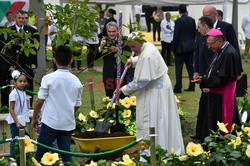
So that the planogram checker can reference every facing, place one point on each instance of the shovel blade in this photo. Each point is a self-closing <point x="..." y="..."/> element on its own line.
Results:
<point x="102" y="127"/>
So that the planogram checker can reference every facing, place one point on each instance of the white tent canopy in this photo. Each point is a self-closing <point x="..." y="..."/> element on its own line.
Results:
<point x="158" y="2"/>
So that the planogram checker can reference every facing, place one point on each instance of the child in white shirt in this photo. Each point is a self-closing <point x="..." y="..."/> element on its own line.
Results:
<point x="18" y="107"/>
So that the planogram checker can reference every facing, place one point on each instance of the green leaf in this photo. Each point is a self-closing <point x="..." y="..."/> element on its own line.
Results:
<point x="235" y="154"/>
<point x="36" y="44"/>
<point x="32" y="51"/>
<point x="26" y="51"/>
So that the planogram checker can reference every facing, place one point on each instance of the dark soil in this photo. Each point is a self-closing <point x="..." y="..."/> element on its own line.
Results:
<point x="94" y="134"/>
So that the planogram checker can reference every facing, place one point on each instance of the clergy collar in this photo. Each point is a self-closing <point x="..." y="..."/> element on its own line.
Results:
<point x="215" y="23"/>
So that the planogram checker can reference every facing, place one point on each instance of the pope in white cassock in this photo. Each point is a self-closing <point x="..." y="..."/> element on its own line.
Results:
<point x="155" y="101"/>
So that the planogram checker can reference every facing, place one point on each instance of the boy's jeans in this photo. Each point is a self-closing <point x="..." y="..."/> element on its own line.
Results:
<point x="48" y="136"/>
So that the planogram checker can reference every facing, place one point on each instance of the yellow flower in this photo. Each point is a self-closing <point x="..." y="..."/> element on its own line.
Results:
<point x="128" y="161"/>
<point x="177" y="99"/>
<point x="92" y="163"/>
<point x="126" y="102"/>
<point x="247" y="130"/>
<point x="222" y="127"/>
<point x="235" y="142"/>
<point x="126" y="114"/>
<point x="35" y="162"/>
<point x="238" y="134"/>
<point x="29" y="147"/>
<point x="113" y="106"/>
<point x="12" y="159"/>
<point x="183" y="157"/>
<point x="180" y="111"/>
<point x="106" y="99"/>
<point x="233" y="126"/>
<point x="172" y="151"/>
<point x="111" y="121"/>
<point x="82" y="117"/>
<point x="93" y="114"/>
<point x="127" y="122"/>
<point x="101" y="120"/>
<point x="248" y="151"/>
<point x="133" y="100"/>
<point x="49" y="158"/>
<point x="193" y="149"/>
<point x="91" y="129"/>
<point x="1" y="158"/>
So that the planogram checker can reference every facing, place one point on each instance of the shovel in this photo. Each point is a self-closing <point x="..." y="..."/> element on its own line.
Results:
<point x="105" y="125"/>
<point x="118" y="126"/>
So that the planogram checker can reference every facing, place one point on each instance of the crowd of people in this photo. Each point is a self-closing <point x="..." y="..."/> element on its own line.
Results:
<point x="210" y="52"/>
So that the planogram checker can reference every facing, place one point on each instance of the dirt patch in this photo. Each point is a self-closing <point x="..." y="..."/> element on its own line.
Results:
<point x="94" y="134"/>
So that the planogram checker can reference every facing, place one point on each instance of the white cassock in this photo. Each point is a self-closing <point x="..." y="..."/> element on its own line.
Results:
<point x="155" y="101"/>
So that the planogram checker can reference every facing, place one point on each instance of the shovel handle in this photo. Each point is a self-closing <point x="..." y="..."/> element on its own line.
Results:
<point x="116" y="94"/>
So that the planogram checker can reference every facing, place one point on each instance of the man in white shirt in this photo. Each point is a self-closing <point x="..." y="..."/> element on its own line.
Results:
<point x="167" y="28"/>
<point x="137" y="13"/>
<point x="246" y="28"/>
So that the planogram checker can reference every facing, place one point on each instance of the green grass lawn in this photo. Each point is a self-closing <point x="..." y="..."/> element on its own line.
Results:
<point x="188" y="100"/>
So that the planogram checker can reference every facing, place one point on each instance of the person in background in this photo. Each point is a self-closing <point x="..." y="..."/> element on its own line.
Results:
<point x="46" y="33"/>
<point x="52" y="36"/>
<point x="10" y="19"/>
<point x="101" y="21"/>
<point x="151" y="84"/>
<point x="26" y="64"/>
<point x="92" y="45"/>
<point x="137" y="12"/>
<point x="62" y="91"/>
<point x="220" y="15"/>
<point x="33" y="19"/>
<point x="107" y="50"/>
<point x="26" y="18"/>
<point x="157" y="18"/>
<point x="167" y="28"/>
<point x="183" y="46"/>
<point x="78" y="44"/>
<point x="246" y="29"/>
<point x="205" y="24"/>
<point x="148" y="16"/>
<point x="110" y="18"/>
<point x="18" y="107"/>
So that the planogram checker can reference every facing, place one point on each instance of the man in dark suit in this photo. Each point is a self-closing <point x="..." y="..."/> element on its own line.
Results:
<point x="108" y="49"/>
<point x="226" y="28"/>
<point x="183" y="46"/>
<point x="26" y="64"/>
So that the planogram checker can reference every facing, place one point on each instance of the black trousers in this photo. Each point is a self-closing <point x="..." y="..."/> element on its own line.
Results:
<point x="4" y="80"/>
<point x="92" y="54"/>
<point x="148" y="22"/>
<point x="78" y="61"/>
<point x="156" y="26"/>
<point x="180" y="59"/>
<point x="166" y="49"/>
